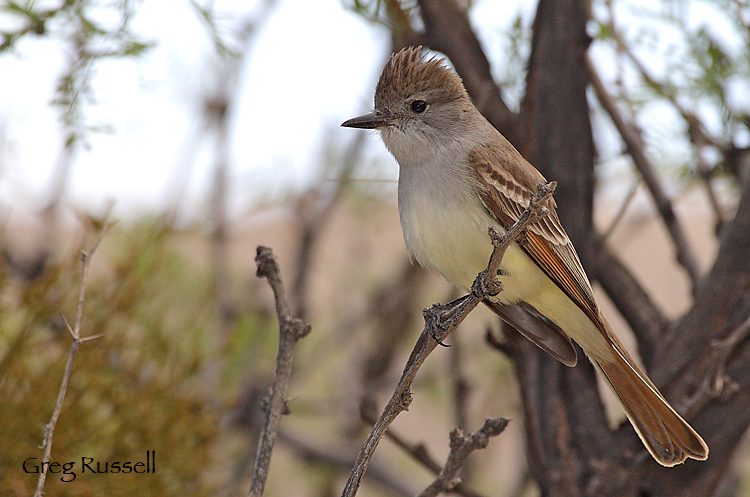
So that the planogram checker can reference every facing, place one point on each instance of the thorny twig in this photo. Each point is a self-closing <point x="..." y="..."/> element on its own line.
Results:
<point x="291" y="330"/>
<point x="441" y="321"/>
<point x="462" y="446"/>
<point x="75" y="333"/>
<point x="418" y="452"/>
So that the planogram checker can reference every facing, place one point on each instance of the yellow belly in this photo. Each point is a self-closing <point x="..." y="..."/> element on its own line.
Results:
<point x="454" y="243"/>
<point x="452" y="240"/>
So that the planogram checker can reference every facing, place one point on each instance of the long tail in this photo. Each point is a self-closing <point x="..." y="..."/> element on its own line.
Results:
<point x="667" y="436"/>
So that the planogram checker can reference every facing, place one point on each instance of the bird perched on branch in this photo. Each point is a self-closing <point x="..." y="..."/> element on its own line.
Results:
<point x="458" y="176"/>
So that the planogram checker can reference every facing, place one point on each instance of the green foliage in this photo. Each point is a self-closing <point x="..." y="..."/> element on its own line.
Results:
<point x="142" y="386"/>
<point x="384" y="12"/>
<point x="370" y="10"/>
<point x="697" y="67"/>
<point x="81" y="27"/>
<point x="224" y="46"/>
<point x="516" y="48"/>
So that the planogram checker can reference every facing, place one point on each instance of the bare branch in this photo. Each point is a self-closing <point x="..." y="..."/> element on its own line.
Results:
<point x="632" y="139"/>
<point x="645" y="318"/>
<point x="621" y="211"/>
<point x="716" y="382"/>
<point x="342" y="458"/>
<point x="291" y="330"/>
<point x="419" y="453"/>
<point x="441" y="321"/>
<point x="75" y="332"/>
<point x="447" y="29"/>
<point x="461" y="447"/>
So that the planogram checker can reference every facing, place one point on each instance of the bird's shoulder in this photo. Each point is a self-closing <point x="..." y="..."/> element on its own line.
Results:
<point x="503" y="175"/>
<point x="497" y="160"/>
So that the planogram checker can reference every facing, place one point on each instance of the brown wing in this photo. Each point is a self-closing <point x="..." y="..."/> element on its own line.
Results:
<point x="538" y="329"/>
<point x="506" y="188"/>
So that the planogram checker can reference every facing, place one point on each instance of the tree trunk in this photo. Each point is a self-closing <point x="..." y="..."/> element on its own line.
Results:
<point x="571" y="449"/>
<point x="565" y="420"/>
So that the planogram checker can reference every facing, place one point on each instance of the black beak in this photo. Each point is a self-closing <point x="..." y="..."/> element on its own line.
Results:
<point x="373" y="120"/>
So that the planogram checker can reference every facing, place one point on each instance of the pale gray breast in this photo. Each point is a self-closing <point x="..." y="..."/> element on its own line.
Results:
<point x="444" y="220"/>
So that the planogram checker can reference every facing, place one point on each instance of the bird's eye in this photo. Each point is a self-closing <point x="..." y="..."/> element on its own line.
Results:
<point x="419" y="106"/>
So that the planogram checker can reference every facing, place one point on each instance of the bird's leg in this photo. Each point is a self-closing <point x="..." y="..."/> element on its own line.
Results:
<point x="441" y="316"/>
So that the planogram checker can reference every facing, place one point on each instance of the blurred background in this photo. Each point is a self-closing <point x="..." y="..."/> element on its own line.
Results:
<point x="202" y="129"/>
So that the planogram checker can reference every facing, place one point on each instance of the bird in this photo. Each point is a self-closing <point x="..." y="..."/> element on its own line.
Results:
<point x="459" y="176"/>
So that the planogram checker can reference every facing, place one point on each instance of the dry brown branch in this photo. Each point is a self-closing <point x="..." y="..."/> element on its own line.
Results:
<point x="75" y="333"/>
<point x="419" y="453"/>
<point x="633" y="302"/>
<point x="696" y="128"/>
<point x="462" y="446"/>
<point x="620" y="215"/>
<point x="630" y="135"/>
<point x="291" y="330"/>
<point x="441" y="321"/>
<point x="716" y="383"/>
<point x="447" y="29"/>
<point x="341" y="458"/>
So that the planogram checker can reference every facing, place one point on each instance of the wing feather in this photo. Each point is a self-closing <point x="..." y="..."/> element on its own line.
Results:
<point x="506" y="190"/>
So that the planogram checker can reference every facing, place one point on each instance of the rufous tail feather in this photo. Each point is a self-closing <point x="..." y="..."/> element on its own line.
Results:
<point x="667" y="436"/>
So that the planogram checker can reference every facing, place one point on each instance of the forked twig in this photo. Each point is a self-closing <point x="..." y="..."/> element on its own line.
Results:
<point x="631" y="136"/>
<point x="462" y="446"/>
<point x="716" y="383"/>
<point x="441" y="321"/>
<point x="75" y="333"/>
<point x="291" y="330"/>
<point x="418" y="452"/>
<point x="697" y="129"/>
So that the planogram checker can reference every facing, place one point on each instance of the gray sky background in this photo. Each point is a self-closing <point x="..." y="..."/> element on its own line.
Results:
<point x="313" y="65"/>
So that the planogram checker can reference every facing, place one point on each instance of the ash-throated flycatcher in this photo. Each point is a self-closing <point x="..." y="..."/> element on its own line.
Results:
<point x="458" y="176"/>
